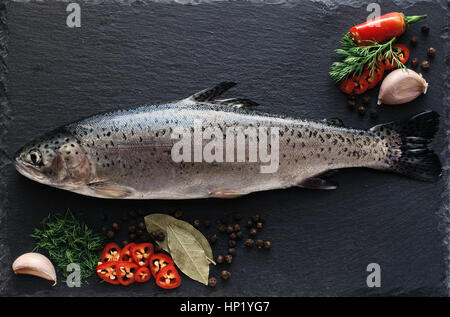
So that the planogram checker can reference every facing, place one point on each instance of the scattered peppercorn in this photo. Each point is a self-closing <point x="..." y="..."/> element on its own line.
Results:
<point x="374" y="114"/>
<point x="141" y="225"/>
<point x="222" y="228"/>
<point x="228" y="258"/>
<point x="231" y="251"/>
<point x="116" y="226"/>
<point x="366" y="100"/>
<point x="415" y="62"/>
<point x="267" y="244"/>
<point x="124" y="243"/>
<point x="361" y="110"/>
<point x="239" y="235"/>
<point x="139" y="232"/>
<point x="249" y="243"/>
<point x="352" y="97"/>
<point x="255" y="218"/>
<point x="259" y="225"/>
<point x="196" y="223"/>
<point x="160" y="236"/>
<point x="219" y="259"/>
<point x="252" y="231"/>
<point x="431" y="52"/>
<point x="425" y="29"/>
<point x="225" y="275"/>
<point x="110" y="234"/>
<point x="230" y="229"/>
<point x="213" y="238"/>
<point x="178" y="214"/>
<point x="132" y="236"/>
<point x="259" y="243"/>
<point x="133" y="214"/>
<point x="237" y="216"/>
<point x="351" y="104"/>
<point x="425" y="65"/>
<point x="224" y="220"/>
<point x="131" y="229"/>
<point x="231" y="243"/>
<point x="233" y="236"/>
<point x="414" y="41"/>
<point x="207" y="223"/>
<point x="212" y="282"/>
<point x="237" y="228"/>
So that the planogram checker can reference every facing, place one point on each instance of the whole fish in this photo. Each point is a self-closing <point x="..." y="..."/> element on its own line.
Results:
<point x="146" y="152"/>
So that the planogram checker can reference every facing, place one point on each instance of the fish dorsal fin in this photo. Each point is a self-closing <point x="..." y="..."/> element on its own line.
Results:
<point x="211" y="94"/>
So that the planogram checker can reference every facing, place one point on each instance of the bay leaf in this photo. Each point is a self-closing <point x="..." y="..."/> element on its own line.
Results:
<point x="187" y="253"/>
<point x="160" y="222"/>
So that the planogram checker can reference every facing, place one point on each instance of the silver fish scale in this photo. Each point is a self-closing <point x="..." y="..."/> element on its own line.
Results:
<point x="132" y="149"/>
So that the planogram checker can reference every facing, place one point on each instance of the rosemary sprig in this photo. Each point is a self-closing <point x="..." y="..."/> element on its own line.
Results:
<point x="68" y="241"/>
<point x="356" y="58"/>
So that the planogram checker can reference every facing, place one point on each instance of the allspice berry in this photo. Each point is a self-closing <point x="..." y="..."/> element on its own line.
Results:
<point x="160" y="236"/>
<point x="212" y="282"/>
<point x="366" y="100"/>
<point x="259" y="243"/>
<point x="233" y="236"/>
<point x="131" y="229"/>
<point x="255" y="218"/>
<point x="431" y="52"/>
<point x="259" y="225"/>
<point x="252" y="231"/>
<point x="232" y="251"/>
<point x="178" y="214"/>
<point x="425" y="65"/>
<point x="237" y="228"/>
<point x="374" y="114"/>
<point x="239" y="235"/>
<point x="225" y="274"/>
<point x="141" y="225"/>
<point x="267" y="244"/>
<point x="249" y="243"/>
<point x="231" y="243"/>
<point x="228" y="258"/>
<point x="249" y="224"/>
<point x="222" y="228"/>
<point x="219" y="259"/>
<point x="230" y="229"/>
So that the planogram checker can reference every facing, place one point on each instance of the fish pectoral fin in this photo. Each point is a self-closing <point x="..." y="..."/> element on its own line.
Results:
<point x="108" y="190"/>
<point x="210" y="94"/>
<point x="225" y="194"/>
<point x="317" y="183"/>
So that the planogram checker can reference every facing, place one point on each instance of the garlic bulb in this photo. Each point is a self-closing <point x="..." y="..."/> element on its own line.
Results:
<point x="401" y="86"/>
<point x="35" y="264"/>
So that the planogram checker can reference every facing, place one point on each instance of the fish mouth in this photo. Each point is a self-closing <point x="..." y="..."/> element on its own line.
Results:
<point x="28" y="170"/>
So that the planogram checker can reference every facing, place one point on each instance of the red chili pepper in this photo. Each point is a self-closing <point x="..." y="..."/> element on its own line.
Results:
<point x="141" y="253"/>
<point x="125" y="254"/>
<point x="376" y="77"/>
<point x="143" y="274"/>
<point x="347" y="86"/>
<point x="354" y="85"/>
<point x="168" y="277"/>
<point x="403" y="54"/>
<point x="159" y="261"/>
<point x="126" y="272"/>
<point x="383" y="28"/>
<point x="110" y="253"/>
<point x="107" y="271"/>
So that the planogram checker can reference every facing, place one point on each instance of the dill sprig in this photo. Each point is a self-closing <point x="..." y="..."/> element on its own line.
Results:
<point x="66" y="241"/>
<point x="357" y="58"/>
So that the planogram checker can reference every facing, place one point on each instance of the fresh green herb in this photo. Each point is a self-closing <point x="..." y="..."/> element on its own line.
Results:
<point x="66" y="241"/>
<point x="357" y="58"/>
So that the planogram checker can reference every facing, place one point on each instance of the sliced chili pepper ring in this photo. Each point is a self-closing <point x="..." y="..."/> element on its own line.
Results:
<point x="142" y="274"/>
<point x="125" y="254"/>
<point x="159" y="261"/>
<point x="126" y="272"/>
<point x="107" y="272"/>
<point x="168" y="278"/>
<point x="110" y="253"/>
<point x="141" y="253"/>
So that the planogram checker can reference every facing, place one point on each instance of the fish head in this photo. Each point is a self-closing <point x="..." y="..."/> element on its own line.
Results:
<point x="57" y="159"/>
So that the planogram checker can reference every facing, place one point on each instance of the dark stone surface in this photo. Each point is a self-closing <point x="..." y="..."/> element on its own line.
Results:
<point x="279" y="54"/>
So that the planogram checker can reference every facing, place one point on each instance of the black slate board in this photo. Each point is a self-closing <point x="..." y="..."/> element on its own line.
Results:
<point x="148" y="52"/>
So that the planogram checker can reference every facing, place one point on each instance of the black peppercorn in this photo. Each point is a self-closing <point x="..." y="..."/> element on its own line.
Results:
<point x="237" y="228"/>
<point x="213" y="238"/>
<point x="255" y="218"/>
<point x="231" y="251"/>
<point x="259" y="225"/>
<point x="212" y="282"/>
<point x="351" y="104"/>
<point x="252" y="231"/>
<point x="425" y="65"/>
<point x="132" y="236"/>
<point x="374" y="114"/>
<point x="366" y="100"/>
<point x="207" y="223"/>
<point x="249" y="224"/>
<point x="231" y="243"/>
<point x="141" y="225"/>
<point x="116" y="226"/>
<point x="425" y="29"/>
<point x="259" y="243"/>
<point x="414" y="41"/>
<point x="351" y="97"/>
<point x="249" y="243"/>
<point x="361" y="110"/>
<point x="124" y="243"/>
<point x="131" y="229"/>
<point x="233" y="236"/>
<point x="178" y="214"/>
<point x="267" y="244"/>
<point x="225" y="275"/>
<point x="237" y="216"/>
<point x="415" y="62"/>
<point x="196" y="223"/>
<point x="139" y="232"/>
<point x="153" y="235"/>
<point x="160" y="236"/>
<point x="239" y="235"/>
<point x="222" y="228"/>
<point x="230" y="229"/>
<point x="431" y="52"/>
<point x="110" y="234"/>
<point x="145" y="237"/>
<point x="228" y="258"/>
<point x="219" y="259"/>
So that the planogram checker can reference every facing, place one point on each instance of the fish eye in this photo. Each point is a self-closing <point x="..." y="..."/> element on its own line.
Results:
<point x="35" y="157"/>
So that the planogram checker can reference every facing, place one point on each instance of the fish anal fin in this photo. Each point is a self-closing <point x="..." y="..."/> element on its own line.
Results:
<point x="210" y="94"/>
<point x="317" y="183"/>
<point x="108" y="190"/>
<point x="224" y="194"/>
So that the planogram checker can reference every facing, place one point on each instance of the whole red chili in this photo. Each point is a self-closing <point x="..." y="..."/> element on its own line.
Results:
<point x="382" y="28"/>
<point x="125" y="254"/>
<point x="107" y="271"/>
<point x="168" y="277"/>
<point x="111" y="252"/>
<point x="158" y="261"/>
<point x="142" y="274"/>
<point x="141" y="253"/>
<point x="126" y="272"/>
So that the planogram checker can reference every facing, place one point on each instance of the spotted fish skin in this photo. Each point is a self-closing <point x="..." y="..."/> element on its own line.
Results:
<point x="127" y="154"/>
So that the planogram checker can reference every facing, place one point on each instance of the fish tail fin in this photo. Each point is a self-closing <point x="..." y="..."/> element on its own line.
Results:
<point x="408" y="152"/>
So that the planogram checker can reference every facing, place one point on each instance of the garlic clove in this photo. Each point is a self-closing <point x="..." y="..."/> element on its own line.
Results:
<point x="401" y="86"/>
<point x="35" y="264"/>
